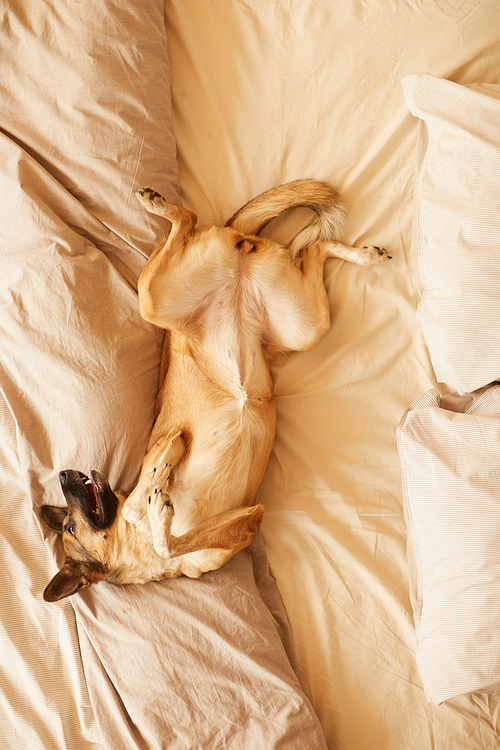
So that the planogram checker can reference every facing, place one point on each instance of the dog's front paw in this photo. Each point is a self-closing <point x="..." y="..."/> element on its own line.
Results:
<point x="161" y="514"/>
<point x="135" y="506"/>
<point x="160" y="476"/>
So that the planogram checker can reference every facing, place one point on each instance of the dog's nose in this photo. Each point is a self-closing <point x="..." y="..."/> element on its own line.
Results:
<point x="63" y="477"/>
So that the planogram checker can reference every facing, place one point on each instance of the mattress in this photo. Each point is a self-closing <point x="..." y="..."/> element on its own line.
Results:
<point x="322" y="633"/>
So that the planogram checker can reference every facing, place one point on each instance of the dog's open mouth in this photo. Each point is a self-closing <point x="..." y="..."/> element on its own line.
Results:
<point x="93" y="496"/>
<point x="92" y="491"/>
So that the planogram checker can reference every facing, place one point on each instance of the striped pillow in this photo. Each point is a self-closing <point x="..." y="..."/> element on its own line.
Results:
<point x="451" y="483"/>
<point x="456" y="227"/>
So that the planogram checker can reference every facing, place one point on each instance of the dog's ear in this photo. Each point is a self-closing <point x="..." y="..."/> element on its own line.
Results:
<point x="53" y="517"/>
<point x="72" y="577"/>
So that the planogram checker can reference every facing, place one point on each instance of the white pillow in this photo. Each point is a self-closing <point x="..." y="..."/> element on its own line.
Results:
<point x="456" y="227"/>
<point x="451" y="482"/>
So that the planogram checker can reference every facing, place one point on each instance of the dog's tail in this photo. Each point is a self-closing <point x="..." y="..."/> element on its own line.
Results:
<point x="318" y="196"/>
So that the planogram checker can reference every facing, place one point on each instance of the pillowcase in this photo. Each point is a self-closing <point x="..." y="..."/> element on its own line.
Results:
<point x="456" y="227"/>
<point x="451" y="485"/>
<point x="86" y="121"/>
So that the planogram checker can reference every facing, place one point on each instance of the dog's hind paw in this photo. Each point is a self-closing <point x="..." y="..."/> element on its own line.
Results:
<point x="373" y="255"/>
<point x="151" y="200"/>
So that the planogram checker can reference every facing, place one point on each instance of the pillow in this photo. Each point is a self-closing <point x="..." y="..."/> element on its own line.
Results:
<point x="87" y="96"/>
<point x="86" y="120"/>
<point x="451" y="484"/>
<point x="456" y="227"/>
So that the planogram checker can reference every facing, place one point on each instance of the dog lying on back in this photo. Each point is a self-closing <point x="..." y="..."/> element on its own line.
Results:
<point x="229" y="301"/>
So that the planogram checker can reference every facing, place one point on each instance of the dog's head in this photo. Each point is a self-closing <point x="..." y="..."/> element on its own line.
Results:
<point x="88" y="530"/>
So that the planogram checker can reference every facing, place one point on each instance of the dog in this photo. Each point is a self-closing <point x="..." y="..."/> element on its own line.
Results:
<point x="229" y="301"/>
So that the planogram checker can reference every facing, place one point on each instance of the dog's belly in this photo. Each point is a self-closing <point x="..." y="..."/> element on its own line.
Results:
<point x="227" y="454"/>
<point x="228" y="433"/>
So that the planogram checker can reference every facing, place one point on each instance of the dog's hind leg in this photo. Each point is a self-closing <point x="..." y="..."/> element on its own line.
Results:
<point x="155" y="475"/>
<point x="295" y="299"/>
<point x="155" y="303"/>
<point x="362" y="256"/>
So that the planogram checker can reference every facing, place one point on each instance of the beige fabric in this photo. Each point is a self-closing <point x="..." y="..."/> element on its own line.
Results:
<point x="262" y="93"/>
<point x="44" y="699"/>
<point x="456" y="230"/>
<point x="268" y="92"/>
<point x="85" y="118"/>
<point x="75" y="357"/>
<point x="204" y="664"/>
<point x="451" y="480"/>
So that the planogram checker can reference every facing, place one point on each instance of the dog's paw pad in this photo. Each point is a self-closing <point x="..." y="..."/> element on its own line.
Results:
<point x="165" y="502"/>
<point x="148" y="193"/>
<point x="150" y="198"/>
<point x="375" y="255"/>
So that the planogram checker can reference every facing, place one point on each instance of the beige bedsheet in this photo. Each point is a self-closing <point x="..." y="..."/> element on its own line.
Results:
<point x="266" y="92"/>
<point x="262" y="92"/>
<point x="85" y="121"/>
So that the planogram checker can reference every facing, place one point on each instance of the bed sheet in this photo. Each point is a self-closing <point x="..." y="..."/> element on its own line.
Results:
<point x="85" y="120"/>
<point x="264" y="93"/>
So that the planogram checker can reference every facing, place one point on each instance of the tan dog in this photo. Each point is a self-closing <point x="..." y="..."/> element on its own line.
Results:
<point x="230" y="301"/>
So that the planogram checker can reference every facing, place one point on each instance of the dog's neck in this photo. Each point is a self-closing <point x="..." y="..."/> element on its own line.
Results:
<point x="134" y="558"/>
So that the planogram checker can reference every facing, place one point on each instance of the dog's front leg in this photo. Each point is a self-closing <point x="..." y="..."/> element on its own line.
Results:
<point x="155" y="474"/>
<point x="161" y="514"/>
<point x="232" y="530"/>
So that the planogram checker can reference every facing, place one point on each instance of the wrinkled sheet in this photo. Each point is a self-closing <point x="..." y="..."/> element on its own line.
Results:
<point x="264" y="93"/>
<point x="85" y="121"/>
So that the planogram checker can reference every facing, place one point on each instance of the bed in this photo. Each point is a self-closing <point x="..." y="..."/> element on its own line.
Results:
<point x="366" y="614"/>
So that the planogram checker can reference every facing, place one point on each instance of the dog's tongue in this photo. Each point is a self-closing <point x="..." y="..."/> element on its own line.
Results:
<point x="93" y="495"/>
